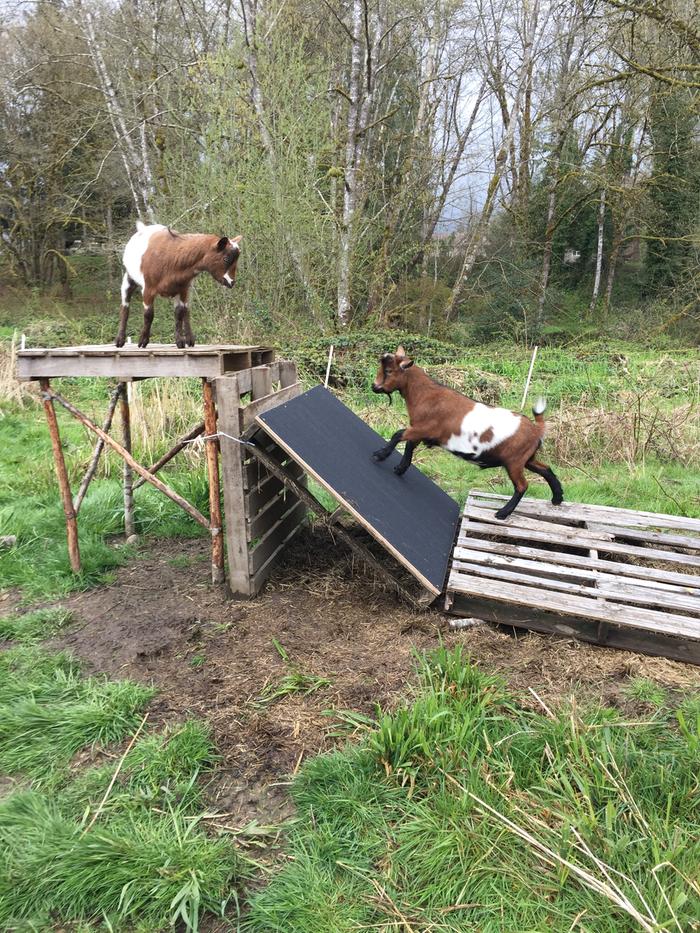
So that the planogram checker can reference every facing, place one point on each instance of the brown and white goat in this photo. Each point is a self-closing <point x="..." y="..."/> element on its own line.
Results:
<point x="163" y="262"/>
<point x="487" y="436"/>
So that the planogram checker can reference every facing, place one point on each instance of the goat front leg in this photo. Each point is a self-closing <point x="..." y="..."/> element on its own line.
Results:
<point x="379" y="455"/>
<point x="128" y="289"/>
<point x="148" y="299"/>
<point x="413" y="438"/>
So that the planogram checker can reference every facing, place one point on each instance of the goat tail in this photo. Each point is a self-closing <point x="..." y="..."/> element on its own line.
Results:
<point x="538" y="410"/>
<point x="140" y="225"/>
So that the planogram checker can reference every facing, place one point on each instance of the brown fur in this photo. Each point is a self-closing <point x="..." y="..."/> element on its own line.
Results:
<point x="169" y="264"/>
<point x="436" y="413"/>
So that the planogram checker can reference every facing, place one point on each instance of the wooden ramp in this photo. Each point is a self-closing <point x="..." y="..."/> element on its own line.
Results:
<point x="612" y="576"/>
<point x="410" y="516"/>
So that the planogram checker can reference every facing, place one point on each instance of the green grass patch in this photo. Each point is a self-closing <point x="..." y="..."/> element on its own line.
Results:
<point x="464" y="811"/>
<point x="48" y="711"/>
<point x="146" y="863"/>
<point x="28" y="628"/>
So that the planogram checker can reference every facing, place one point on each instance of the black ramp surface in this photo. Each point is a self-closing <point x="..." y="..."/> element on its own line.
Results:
<point x="409" y="515"/>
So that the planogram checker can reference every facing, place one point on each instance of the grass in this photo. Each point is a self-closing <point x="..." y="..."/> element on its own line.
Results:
<point x="28" y="628"/>
<point x="294" y="681"/>
<point x="116" y="845"/>
<point x="461" y="810"/>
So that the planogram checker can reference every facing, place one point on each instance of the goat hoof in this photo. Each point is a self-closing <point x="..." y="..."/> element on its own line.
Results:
<point x="143" y="342"/>
<point x="502" y="514"/>
<point x="557" y="501"/>
<point x="180" y="344"/>
<point x="399" y="470"/>
<point x="120" y="341"/>
<point x="378" y="456"/>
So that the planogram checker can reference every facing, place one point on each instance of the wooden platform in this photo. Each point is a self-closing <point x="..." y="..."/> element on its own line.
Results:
<point x="613" y="576"/>
<point x="129" y="362"/>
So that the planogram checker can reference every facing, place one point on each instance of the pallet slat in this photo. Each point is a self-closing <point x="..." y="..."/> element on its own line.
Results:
<point x="568" y="604"/>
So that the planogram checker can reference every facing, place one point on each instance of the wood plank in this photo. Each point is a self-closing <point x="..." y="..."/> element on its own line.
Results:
<point x="273" y="510"/>
<point x="649" y="574"/>
<point x="628" y="639"/>
<point x="564" y="603"/>
<point x="258" y="579"/>
<point x="275" y="537"/>
<point x="245" y="379"/>
<point x="570" y="532"/>
<point x="228" y="405"/>
<point x="258" y="406"/>
<point x="255" y="475"/>
<point x="540" y="567"/>
<point x="555" y="536"/>
<point x="585" y="512"/>
<point x="655" y="537"/>
<point x="260" y="382"/>
<point x="609" y="588"/>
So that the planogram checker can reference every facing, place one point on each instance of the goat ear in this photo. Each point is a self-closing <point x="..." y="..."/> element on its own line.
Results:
<point x="406" y="364"/>
<point x="237" y="239"/>
<point x="222" y="244"/>
<point x="400" y="353"/>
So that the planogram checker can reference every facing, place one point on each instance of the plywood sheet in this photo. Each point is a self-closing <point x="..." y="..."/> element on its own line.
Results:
<point x="409" y="515"/>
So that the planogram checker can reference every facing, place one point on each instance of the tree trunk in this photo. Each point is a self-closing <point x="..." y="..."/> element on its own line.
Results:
<point x="599" y="254"/>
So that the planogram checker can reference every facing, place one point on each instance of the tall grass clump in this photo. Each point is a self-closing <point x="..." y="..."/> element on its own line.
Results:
<point x="48" y="711"/>
<point x="138" y="860"/>
<point x="463" y="810"/>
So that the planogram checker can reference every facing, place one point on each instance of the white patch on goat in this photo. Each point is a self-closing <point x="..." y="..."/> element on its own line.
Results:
<point x="227" y="278"/>
<point x="136" y="247"/>
<point x="502" y="422"/>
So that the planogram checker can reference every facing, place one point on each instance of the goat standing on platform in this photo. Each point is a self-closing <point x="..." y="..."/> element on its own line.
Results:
<point x="487" y="436"/>
<point x="163" y="262"/>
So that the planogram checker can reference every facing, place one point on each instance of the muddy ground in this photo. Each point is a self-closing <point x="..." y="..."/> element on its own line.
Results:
<point x="163" y="623"/>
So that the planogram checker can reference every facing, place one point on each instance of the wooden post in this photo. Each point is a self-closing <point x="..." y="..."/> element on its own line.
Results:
<point x="212" y="448"/>
<point x="261" y="382"/>
<point x="125" y="455"/>
<point x="62" y="474"/>
<point x="129" y="523"/>
<point x="92" y="467"/>
<point x="228" y="401"/>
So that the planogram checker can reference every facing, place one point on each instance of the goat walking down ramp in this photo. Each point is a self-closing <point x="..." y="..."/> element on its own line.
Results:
<point x="415" y="520"/>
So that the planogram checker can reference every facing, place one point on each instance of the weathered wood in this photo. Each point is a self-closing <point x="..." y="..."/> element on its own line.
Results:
<point x="212" y="448"/>
<point x="131" y="362"/>
<point x="276" y="536"/>
<point x="287" y="373"/>
<point x="648" y="574"/>
<point x="174" y="450"/>
<point x="232" y="453"/>
<point x="129" y="523"/>
<point x="655" y="537"/>
<point x="557" y="569"/>
<point x="610" y="589"/>
<point x="272" y="512"/>
<point x="62" y="474"/>
<point x="567" y="604"/>
<point x="125" y="455"/>
<point x="629" y="639"/>
<point x="555" y="536"/>
<point x="99" y="446"/>
<point x="260" y="382"/>
<point x="265" y="402"/>
<point x="584" y="512"/>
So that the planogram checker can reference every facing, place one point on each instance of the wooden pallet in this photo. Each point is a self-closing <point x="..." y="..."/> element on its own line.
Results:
<point x="130" y="362"/>
<point x="613" y="576"/>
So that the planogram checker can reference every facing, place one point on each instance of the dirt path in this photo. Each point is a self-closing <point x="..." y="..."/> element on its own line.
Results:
<point x="161" y="622"/>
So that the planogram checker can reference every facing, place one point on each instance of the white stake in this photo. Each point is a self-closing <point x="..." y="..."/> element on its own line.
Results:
<point x="23" y="341"/>
<point x="529" y="377"/>
<point x="328" y="368"/>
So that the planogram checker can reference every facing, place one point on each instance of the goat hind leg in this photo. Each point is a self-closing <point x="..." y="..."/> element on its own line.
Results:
<point x="536" y="466"/>
<point x="180" y="317"/>
<point x="520" y="487"/>
<point x="189" y="336"/>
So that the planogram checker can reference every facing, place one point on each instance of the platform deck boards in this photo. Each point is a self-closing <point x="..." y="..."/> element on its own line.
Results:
<point x="410" y="515"/>
<point x="636" y="571"/>
<point x="130" y="362"/>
